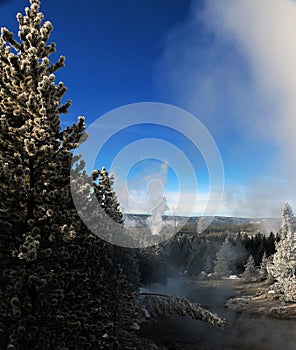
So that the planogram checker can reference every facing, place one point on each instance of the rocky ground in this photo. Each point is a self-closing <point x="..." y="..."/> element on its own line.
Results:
<point x="259" y="298"/>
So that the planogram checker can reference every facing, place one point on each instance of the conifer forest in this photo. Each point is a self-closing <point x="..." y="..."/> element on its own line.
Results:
<point x="64" y="287"/>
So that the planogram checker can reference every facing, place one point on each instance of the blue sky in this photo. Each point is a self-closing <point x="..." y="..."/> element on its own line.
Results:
<point x="228" y="63"/>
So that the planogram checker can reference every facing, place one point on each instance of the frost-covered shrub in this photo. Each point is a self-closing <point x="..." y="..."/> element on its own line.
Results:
<point x="262" y="272"/>
<point x="251" y="272"/>
<point x="225" y="260"/>
<point x="283" y="266"/>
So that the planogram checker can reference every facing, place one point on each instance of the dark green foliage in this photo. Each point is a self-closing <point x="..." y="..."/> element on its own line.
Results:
<point x="124" y="259"/>
<point x="61" y="286"/>
<point x="150" y="262"/>
<point x="198" y="252"/>
<point x="257" y="245"/>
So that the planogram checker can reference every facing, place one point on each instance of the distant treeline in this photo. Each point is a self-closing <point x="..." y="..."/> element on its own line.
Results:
<point x="191" y="254"/>
<point x="249" y="228"/>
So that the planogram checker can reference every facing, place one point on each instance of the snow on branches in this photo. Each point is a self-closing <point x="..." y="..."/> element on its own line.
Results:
<point x="283" y="265"/>
<point x="163" y="305"/>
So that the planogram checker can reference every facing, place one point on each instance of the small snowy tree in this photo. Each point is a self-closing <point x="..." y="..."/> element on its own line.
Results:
<point x="250" y="273"/>
<point x="288" y="220"/>
<point x="208" y="265"/>
<point x="106" y="195"/>
<point x="263" y="273"/>
<point x="283" y="267"/>
<point x="225" y="260"/>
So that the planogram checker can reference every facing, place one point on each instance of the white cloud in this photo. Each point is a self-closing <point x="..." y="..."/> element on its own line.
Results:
<point x="144" y="191"/>
<point x="233" y="64"/>
<point x="192" y="204"/>
<point x="260" y="198"/>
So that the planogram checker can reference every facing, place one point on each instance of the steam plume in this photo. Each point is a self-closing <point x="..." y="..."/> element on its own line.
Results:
<point x="233" y="65"/>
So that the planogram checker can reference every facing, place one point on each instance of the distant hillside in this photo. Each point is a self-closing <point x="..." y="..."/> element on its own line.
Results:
<point x="217" y="224"/>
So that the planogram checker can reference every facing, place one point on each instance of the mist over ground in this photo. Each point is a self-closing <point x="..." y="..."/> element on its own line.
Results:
<point x="242" y="331"/>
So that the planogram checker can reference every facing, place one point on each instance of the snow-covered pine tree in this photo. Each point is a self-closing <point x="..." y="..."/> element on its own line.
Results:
<point x="208" y="265"/>
<point x="55" y="276"/>
<point x="288" y="220"/>
<point x="106" y="195"/>
<point x="35" y="154"/>
<point x="225" y="260"/>
<point x="250" y="273"/>
<point x="221" y="266"/>
<point x="262" y="273"/>
<point x="283" y="266"/>
<point x="125" y="260"/>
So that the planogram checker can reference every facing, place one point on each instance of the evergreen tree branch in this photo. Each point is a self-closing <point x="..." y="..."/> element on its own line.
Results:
<point x="159" y="305"/>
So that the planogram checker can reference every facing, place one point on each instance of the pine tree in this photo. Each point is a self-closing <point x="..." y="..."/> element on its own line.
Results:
<point x="288" y="220"/>
<point x="125" y="259"/>
<point x="250" y="273"/>
<point x="208" y="265"/>
<point x="106" y="195"/>
<point x="262" y="273"/>
<point x="56" y="277"/>
<point x="62" y="287"/>
<point x="30" y="130"/>
<point x="225" y="260"/>
<point x="283" y="266"/>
